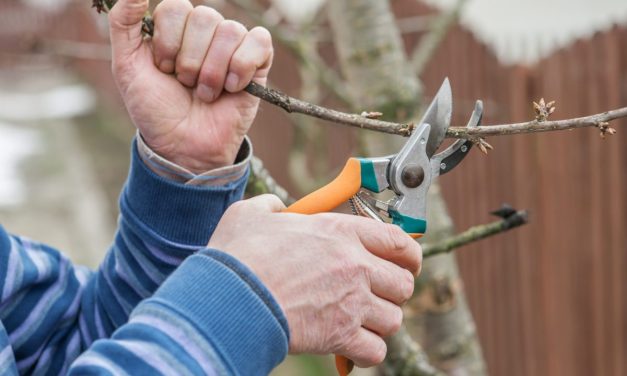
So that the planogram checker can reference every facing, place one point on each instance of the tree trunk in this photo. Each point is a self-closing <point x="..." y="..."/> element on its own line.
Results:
<point x="379" y="78"/>
<point x="438" y="315"/>
<point x="372" y="57"/>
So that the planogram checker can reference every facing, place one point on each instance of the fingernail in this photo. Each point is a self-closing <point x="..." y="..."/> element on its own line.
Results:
<point x="205" y="93"/>
<point x="231" y="82"/>
<point x="167" y="66"/>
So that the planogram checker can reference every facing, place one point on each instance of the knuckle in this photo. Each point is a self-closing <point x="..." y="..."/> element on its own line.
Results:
<point x="122" y="15"/>
<point x="349" y="269"/>
<point x="211" y="77"/>
<point x="261" y="36"/>
<point x="204" y="15"/>
<point x="343" y="329"/>
<point x="230" y="28"/>
<point x="339" y="224"/>
<point x="239" y="64"/>
<point x="395" y="238"/>
<point x="166" y="47"/>
<point x="172" y="8"/>
<point x="187" y="65"/>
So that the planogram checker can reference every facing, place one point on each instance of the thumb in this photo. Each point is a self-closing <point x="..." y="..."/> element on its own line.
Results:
<point x="265" y="203"/>
<point x="125" y="28"/>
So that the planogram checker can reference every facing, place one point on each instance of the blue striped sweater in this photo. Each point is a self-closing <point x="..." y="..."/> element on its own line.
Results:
<point x="158" y="304"/>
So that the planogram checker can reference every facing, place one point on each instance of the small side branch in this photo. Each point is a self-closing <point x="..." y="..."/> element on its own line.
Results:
<point x="511" y="220"/>
<point x="535" y="126"/>
<point x="290" y="105"/>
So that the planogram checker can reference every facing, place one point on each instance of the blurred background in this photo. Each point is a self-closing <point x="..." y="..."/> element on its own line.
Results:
<point x="549" y="298"/>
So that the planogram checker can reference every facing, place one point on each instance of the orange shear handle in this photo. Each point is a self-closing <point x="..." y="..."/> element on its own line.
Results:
<point x="332" y="195"/>
<point x="325" y="199"/>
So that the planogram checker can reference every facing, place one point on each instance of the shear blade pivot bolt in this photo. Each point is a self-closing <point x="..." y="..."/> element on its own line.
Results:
<point x="412" y="175"/>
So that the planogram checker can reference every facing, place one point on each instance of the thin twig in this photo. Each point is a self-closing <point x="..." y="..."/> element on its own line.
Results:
<point x="535" y="126"/>
<point x="476" y="233"/>
<point x="290" y="105"/>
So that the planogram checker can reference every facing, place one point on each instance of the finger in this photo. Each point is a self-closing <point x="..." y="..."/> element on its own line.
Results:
<point x="366" y="349"/>
<point x="169" y="17"/>
<point x="390" y="281"/>
<point x="252" y="59"/>
<point x="384" y="318"/>
<point x="201" y="26"/>
<point x="389" y="242"/>
<point x="265" y="202"/>
<point x="228" y="36"/>
<point x="125" y="28"/>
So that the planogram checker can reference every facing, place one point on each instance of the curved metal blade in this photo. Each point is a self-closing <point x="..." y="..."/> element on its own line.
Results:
<point x="446" y="160"/>
<point x="438" y="115"/>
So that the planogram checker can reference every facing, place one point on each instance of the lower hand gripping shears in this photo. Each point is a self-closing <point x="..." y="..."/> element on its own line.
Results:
<point x="408" y="174"/>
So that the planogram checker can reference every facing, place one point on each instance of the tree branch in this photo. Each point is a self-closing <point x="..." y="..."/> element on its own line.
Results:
<point x="476" y="233"/>
<point x="535" y="126"/>
<point x="290" y="104"/>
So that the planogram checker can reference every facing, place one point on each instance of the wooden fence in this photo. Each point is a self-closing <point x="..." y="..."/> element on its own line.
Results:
<point x="550" y="298"/>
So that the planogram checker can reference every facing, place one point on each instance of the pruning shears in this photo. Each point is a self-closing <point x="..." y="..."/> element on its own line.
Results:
<point x="408" y="174"/>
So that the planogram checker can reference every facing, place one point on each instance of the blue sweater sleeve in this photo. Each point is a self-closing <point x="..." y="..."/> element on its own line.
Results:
<point x="211" y="317"/>
<point x="52" y="311"/>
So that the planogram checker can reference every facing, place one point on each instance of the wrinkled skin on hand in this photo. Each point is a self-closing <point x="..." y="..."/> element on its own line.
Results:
<point x="340" y="279"/>
<point x="183" y="88"/>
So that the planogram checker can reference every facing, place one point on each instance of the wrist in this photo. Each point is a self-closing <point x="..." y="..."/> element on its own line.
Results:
<point x="211" y="160"/>
<point x="172" y="170"/>
<point x="197" y="156"/>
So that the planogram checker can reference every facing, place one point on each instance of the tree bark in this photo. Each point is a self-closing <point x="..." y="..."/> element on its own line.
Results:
<point x="438" y="315"/>
<point x="379" y="76"/>
<point x="372" y="58"/>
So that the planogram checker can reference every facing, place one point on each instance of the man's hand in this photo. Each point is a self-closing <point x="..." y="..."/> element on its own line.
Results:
<point x="183" y="88"/>
<point x="339" y="279"/>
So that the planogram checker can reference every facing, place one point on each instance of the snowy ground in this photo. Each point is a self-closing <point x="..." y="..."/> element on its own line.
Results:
<point x="16" y="144"/>
<point x="525" y="31"/>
